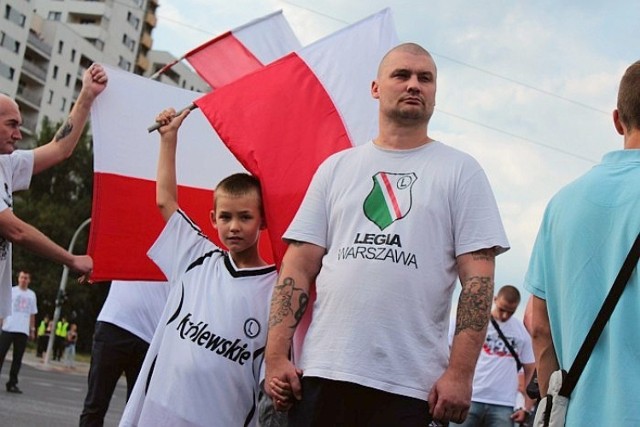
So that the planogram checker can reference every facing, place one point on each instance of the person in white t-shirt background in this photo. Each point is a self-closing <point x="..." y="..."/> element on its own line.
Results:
<point x="18" y="327"/>
<point x="496" y="379"/>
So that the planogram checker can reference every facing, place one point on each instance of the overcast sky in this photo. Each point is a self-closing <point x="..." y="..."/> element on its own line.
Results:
<point x="527" y="88"/>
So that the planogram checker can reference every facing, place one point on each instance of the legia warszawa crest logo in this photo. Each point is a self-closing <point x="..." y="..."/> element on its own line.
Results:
<point x="390" y="198"/>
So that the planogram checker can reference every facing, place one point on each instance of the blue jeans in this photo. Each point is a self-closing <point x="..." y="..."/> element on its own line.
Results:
<point x="488" y="415"/>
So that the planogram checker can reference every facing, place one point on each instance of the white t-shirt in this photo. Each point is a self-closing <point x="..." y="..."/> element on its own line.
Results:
<point x="15" y="175"/>
<point x="203" y="365"/>
<point x="496" y="377"/>
<point x="135" y="306"/>
<point x="392" y="222"/>
<point x="24" y="304"/>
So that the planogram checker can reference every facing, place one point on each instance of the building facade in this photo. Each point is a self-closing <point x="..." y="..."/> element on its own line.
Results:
<point x="46" y="45"/>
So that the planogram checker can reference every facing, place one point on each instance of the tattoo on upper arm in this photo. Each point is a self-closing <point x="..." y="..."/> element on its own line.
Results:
<point x="65" y="130"/>
<point x="282" y="303"/>
<point x="475" y="304"/>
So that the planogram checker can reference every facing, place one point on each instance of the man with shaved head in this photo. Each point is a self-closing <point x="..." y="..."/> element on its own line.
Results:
<point x="16" y="169"/>
<point x="384" y="231"/>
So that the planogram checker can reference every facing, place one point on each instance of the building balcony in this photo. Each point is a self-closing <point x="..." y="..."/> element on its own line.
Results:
<point x="146" y="40"/>
<point x="92" y="32"/>
<point x="29" y="98"/>
<point x="38" y="45"/>
<point x="94" y="8"/>
<point x="151" y="19"/>
<point x="142" y="62"/>
<point x="36" y="72"/>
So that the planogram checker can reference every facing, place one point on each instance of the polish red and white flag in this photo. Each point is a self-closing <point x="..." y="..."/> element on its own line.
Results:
<point x="282" y="121"/>
<point x="124" y="220"/>
<point x="242" y="50"/>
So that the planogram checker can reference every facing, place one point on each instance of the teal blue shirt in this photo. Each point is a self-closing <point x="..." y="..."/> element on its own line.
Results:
<point x="586" y="233"/>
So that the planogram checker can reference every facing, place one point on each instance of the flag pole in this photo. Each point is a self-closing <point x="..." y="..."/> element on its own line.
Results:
<point x="162" y="70"/>
<point x="157" y="125"/>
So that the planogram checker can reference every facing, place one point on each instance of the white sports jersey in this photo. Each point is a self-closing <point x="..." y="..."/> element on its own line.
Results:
<point x="203" y="364"/>
<point x="393" y="223"/>
<point x="15" y="174"/>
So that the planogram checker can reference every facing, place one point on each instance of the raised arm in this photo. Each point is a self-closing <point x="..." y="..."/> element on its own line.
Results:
<point x="65" y="140"/>
<point x="27" y="236"/>
<point x="450" y="397"/>
<point x="166" y="182"/>
<point x="543" y="347"/>
<point x="300" y="267"/>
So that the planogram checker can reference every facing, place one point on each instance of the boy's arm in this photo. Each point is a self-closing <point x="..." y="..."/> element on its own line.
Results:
<point x="66" y="138"/>
<point x="166" y="182"/>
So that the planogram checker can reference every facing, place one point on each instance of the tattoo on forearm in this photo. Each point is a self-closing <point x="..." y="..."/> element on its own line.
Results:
<point x="475" y="304"/>
<point x="65" y="130"/>
<point x="282" y="303"/>
<point x="484" y="254"/>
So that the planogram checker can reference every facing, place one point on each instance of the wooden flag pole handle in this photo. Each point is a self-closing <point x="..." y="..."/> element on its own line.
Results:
<point x="157" y="125"/>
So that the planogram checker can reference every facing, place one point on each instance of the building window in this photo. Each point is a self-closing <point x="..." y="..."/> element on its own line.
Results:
<point x="9" y="42"/>
<point x="124" y="64"/>
<point x="6" y="71"/>
<point x="14" y="16"/>
<point x="64" y="104"/>
<point x="73" y="55"/>
<point x="50" y="99"/>
<point x="128" y="42"/>
<point x="54" y="16"/>
<point x="67" y="80"/>
<point x="60" y="46"/>
<point x="99" y="44"/>
<point x="54" y="74"/>
<point x="133" y="20"/>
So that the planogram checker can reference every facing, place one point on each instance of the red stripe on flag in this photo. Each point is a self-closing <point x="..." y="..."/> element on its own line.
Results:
<point x="392" y="196"/>
<point x="128" y="223"/>
<point x="280" y="123"/>
<point x="223" y="60"/>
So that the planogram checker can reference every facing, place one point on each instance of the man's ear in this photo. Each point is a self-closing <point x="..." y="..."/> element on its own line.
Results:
<point x="617" y="123"/>
<point x="375" y="89"/>
<point x="212" y="218"/>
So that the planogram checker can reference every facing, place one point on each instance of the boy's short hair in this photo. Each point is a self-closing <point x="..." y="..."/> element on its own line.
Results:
<point x="240" y="184"/>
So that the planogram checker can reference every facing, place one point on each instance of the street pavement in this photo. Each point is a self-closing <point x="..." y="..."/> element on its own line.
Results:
<point x="52" y="395"/>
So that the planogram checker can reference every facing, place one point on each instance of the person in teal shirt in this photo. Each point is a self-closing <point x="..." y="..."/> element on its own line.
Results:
<point x="586" y="233"/>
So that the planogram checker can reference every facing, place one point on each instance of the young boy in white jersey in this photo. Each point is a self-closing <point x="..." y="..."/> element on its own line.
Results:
<point x="203" y="364"/>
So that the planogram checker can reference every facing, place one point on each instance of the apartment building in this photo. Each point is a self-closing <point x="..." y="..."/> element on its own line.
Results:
<point x="45" y="46"/>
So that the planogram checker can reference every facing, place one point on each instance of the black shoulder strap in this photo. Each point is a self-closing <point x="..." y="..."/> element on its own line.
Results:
<point x="507" y="343"/>
<point x="569" y="382"/>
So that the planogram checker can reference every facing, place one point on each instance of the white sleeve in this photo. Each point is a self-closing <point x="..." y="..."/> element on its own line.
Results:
<point x="311" y="222"/>
<point x="180" y="243"/>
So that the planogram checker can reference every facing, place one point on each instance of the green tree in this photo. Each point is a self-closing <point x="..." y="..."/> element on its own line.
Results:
<point x="57" y="202"/>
